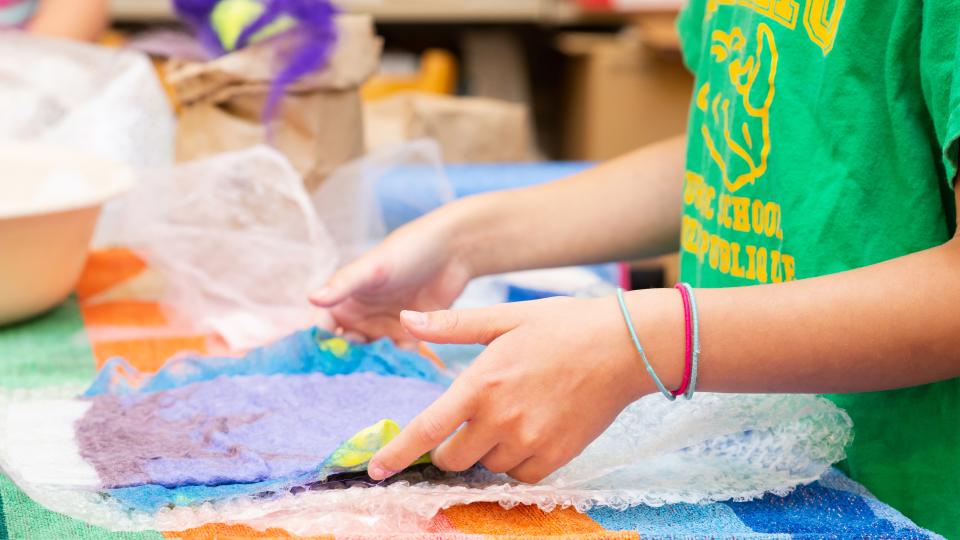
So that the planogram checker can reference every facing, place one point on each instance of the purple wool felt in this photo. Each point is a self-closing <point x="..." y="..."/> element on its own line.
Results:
<point x="239" y="429"/>
<point x="307" y="47"/>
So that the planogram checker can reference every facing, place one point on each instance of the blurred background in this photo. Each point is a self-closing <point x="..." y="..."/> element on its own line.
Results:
<point x="589" y="79"/>
<point x="326" y="125"/>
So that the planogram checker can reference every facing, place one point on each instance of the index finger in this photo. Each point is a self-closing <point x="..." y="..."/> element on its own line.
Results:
<point x="423" y="433"/>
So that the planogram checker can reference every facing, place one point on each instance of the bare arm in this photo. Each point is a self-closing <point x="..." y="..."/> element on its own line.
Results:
<point x="888" y="325"/>
<point x="82" y="20"/>
<point x="625" y="208"/>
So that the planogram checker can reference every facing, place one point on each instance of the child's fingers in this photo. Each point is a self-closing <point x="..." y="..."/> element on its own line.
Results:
<point x="533" y="470"/>
<point x="424" y="433"/>
<point x="363" y="274"/>
<point x="361" y="326"/>
<point x="465" y="448"/>
<point x="481" y="325"/>
<point x="324" y="319"/>
<point x="504" y="457"/>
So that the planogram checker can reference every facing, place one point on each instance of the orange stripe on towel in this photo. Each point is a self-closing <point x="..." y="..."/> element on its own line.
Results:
<point x="107" y="268"/>
<point x="123" y="313"/>
<point x="527" y="522"/>
<point x="220" y="531"/>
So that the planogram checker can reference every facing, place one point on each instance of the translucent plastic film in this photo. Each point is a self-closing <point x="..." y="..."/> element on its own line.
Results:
<point x="363" y="200"/>
<point x="715" y="447"/>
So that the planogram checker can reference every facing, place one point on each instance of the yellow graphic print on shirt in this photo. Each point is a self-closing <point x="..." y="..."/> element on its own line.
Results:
<point x="733" y="229"/>
<point x="736" y="132"/>
<point x="820" y="18"/>
<point x="746" y="142"/>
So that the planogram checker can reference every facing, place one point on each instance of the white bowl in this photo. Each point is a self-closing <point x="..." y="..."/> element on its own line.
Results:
<point x="49" y="202"/>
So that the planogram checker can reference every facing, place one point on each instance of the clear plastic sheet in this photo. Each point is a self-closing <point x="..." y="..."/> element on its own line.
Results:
<point x="364" y="199"/>
<point x="715" y="447"/>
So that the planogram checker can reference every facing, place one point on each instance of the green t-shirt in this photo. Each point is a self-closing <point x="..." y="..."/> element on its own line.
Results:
<point x="823" y="136"/>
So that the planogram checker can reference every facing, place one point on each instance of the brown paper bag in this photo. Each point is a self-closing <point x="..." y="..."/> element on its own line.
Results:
<point x="319" y="124"/>
<point x="469" y="129"/>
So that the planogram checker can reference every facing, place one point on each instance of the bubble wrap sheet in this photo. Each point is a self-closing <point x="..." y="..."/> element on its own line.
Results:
<point x="715" y="447"/>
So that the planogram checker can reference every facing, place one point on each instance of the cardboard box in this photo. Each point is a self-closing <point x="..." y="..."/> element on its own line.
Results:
<point x="468" y="129"/>
<point x="622" y="92"/>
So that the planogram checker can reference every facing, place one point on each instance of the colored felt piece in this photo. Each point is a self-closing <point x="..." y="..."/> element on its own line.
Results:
<point x="306" y="351"/>
<point x="238" y="430"/>
<point x="207" y="428"/>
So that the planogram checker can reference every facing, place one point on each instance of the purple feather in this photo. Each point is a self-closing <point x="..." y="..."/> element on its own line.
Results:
<point x="196" y="15"/>
<point x="304" y="49"/>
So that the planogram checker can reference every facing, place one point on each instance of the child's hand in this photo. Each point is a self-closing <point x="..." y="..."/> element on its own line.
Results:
<point x="414" y="268"/>
<point x="555" y="375"/>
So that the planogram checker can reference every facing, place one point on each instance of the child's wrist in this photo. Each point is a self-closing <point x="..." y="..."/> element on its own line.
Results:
<point x="657" y="316"/>
<point x="471" y="232"/>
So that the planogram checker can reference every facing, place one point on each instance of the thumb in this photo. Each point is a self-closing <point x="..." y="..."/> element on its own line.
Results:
<point x="481" y="325"/>
<point x="363" y="274"/>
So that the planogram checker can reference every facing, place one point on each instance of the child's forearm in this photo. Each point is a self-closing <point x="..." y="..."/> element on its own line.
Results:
<point x="626" y="208"/>
<point x="82" y="20"/>
<point x="889" y="325"/>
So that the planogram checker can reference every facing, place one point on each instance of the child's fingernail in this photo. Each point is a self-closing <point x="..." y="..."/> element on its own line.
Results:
<point x="377" y="472"/>
<point x="414" y="318"/>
